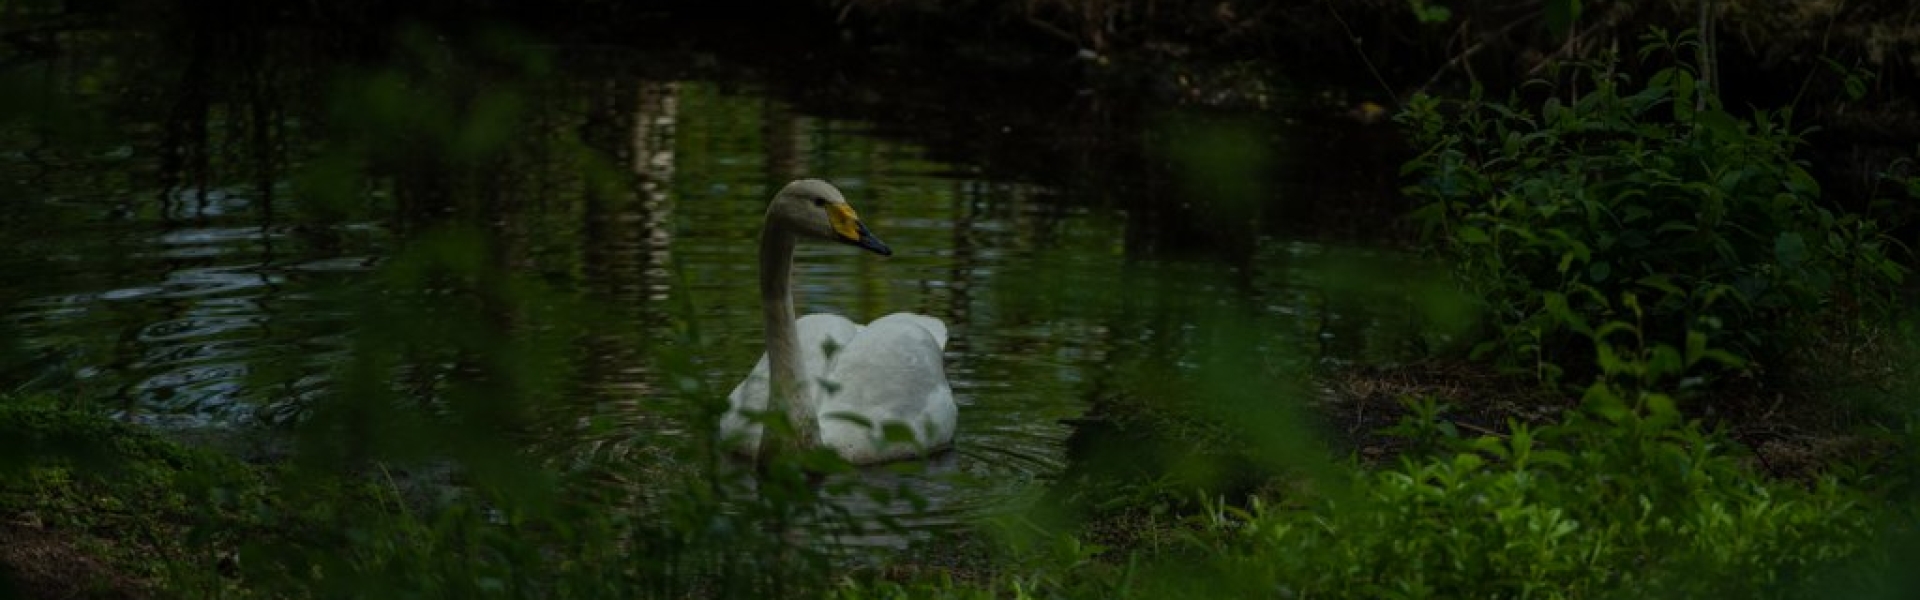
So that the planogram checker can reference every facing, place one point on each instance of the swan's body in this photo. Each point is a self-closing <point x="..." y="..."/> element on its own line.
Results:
<point x="840" y="385"/>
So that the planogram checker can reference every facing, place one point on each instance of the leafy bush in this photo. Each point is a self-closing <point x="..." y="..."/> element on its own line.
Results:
<point x="1652" y="189"/>
<point x="1611" y="502"/>
<point x="1623" y="498"/>
<point x="1641" y="505"/>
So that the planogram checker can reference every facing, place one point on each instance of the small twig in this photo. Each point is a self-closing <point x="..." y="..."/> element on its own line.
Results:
<point x="1457" y="59"/>
<point x="1050" y="28"/>
<point x="1777" y="399"/>
<point x="1054" y="30"/>
<point x="1567" y="49"/>
<point x="1362" y="52"/>
<point x="1478" y="429"/>
<point x="1461" y="61"/>
<point x="1825" y="38"/>
<point x="1762" y="457"/>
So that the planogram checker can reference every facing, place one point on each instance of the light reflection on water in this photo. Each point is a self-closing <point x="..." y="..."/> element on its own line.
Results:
<point x="171" y="316"/>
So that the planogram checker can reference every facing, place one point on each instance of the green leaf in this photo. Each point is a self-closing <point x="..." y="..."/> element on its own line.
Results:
<point x="1683" y="89"/>
<point x="1732" y="180"/>
<point x="1610" y="328"/>
<point x="1661" y="409"/>
<point x="1720" y="123"/>
<point x="1696" y="346"/>
<point x="1556" y="306"/>
<point x="1552" y="457"/>
<point x="1790" y="249"/>
<point x="1676" y="226"/>
<point x="898" y="433"/>
<point x="1468" y="462"/>
<point x="1892" y="270"/>
<point x="1473" y="235"/>
<point x="1664" y="360"/>
<point x="1603" y="402"/>
<point x="1428" y="13"/>
<point x="1490" y="445"/>
<point x="1599" y="271"/>
<point x="1561" y="15"/>
<point x="1634" y="212"/>
<point x="851" y="417"/>
<point x="1662" y="283"/>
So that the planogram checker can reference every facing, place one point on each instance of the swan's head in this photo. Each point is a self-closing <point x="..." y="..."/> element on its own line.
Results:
<point x="813" y="209"/>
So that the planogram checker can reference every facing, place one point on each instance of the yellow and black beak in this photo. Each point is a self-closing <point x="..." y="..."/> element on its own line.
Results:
<point x="847" y="226"/>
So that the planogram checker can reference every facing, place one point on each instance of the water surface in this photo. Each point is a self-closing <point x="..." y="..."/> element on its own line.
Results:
<point x="192" y="262"/>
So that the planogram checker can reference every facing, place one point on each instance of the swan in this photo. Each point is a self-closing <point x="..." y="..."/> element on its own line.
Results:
<point x="839" y="384"/>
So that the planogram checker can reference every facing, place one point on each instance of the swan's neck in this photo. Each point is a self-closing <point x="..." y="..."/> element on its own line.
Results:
<point x="789" y="391"/>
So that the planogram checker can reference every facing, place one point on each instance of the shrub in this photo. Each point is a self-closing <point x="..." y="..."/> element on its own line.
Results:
<point x="1623" y="498"/>
<point x="1633" y="503"/>
<point x="1651" y="189"/>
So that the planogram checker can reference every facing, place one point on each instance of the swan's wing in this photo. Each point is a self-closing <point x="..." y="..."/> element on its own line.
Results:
<point x="892" y="372"/>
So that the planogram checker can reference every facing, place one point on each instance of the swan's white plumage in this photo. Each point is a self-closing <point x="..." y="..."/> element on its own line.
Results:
<point x="888" y="371"/>
<point x="860" y="380"/>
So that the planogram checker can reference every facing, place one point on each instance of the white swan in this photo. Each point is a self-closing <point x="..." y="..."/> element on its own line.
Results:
<point x="841" y="385"/>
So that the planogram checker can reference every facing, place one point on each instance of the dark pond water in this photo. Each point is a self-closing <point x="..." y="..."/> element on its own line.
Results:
<point x="166" y="258"/>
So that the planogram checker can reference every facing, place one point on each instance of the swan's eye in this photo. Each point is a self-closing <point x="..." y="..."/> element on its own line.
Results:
<point x="820" y="202"/>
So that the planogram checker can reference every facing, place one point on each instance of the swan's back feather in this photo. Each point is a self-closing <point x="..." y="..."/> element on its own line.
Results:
<point x="892" y="373"/>
<point x="932" y="325"/>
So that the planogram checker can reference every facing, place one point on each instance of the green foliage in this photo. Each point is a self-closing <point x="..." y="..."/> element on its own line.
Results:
<point x="1621" y="499"/>
<point x="1853" y="80"/>
<point x="1430" y="13"/>
<point x="1624" y="497"/>
<point x="1560" y="15"/>
<point x="1558" y="212"/>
